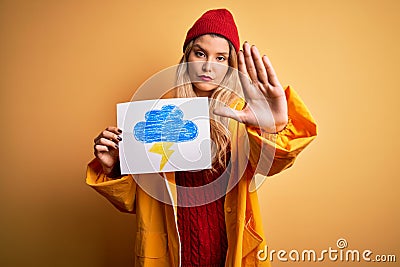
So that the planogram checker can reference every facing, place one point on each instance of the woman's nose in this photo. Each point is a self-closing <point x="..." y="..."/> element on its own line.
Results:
<point x="207" y="66"/>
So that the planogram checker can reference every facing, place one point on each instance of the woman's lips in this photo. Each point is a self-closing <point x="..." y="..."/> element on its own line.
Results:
<point x="205" y="78"/>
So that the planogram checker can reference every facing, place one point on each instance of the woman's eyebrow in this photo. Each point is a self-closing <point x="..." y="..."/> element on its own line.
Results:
<point x="219" y="53"/>
<point x="223" y="53"/>
<point x="198" y="46"/>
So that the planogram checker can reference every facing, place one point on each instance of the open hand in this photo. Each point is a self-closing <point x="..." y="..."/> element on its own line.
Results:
<point x="266" y="105"/>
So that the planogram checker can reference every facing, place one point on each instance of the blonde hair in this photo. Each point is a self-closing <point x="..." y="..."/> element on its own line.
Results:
<point x="224" y="94"/>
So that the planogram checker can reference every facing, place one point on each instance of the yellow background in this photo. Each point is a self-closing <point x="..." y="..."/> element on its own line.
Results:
<point x="65" y="64"/>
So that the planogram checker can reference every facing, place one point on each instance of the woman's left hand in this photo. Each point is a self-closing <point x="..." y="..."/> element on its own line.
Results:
<point x="266" y="105"/>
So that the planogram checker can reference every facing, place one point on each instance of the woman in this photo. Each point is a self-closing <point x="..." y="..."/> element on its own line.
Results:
<point x="226" y="231"/>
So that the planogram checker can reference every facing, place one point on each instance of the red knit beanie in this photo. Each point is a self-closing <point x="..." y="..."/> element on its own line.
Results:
<point x="218" y="21"/>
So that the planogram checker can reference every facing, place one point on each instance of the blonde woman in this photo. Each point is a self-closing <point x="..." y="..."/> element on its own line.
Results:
<point x="219" y="227"/>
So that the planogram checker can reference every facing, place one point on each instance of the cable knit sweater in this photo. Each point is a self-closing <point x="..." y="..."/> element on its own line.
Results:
<point x="202" y="227"/>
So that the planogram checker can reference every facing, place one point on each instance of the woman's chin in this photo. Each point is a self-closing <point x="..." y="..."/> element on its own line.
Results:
<point x="204" y="88"/>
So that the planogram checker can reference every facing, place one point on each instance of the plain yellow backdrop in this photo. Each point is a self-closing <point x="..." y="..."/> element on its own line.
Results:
<point x="65" y="64"/>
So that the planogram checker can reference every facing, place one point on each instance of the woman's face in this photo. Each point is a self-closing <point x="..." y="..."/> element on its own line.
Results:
<point x="208" y="63"/>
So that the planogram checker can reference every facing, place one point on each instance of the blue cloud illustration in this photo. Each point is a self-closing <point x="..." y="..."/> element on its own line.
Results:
<point x="165" y="125"/>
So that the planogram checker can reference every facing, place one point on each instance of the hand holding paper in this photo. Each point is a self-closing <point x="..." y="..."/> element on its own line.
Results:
<point x="106" y="148"/>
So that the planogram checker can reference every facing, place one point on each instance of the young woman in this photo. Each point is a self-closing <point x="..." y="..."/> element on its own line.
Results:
<point x="227" y="230"/>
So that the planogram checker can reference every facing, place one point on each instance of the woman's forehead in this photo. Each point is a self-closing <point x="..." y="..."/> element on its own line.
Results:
<point x="212" y="43"/>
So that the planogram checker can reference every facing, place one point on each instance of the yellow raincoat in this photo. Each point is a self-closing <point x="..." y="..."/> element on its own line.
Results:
<point x="157" y="239"/>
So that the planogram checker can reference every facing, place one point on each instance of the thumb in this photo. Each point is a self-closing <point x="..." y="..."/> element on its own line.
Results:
<point x="229" y="113"/>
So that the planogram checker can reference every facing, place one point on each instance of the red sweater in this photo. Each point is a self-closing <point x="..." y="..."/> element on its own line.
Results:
<point x="201" y="219"/>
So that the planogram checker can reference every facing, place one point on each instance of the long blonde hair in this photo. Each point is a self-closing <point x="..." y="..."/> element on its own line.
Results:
<point x="224" y="94"/>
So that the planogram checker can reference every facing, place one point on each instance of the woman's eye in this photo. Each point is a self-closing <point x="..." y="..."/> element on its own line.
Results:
<point x="220" y="58"/>
<point x="199" y="54"/>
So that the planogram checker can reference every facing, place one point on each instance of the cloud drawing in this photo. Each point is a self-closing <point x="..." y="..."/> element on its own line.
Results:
<point x="165" y="125"/>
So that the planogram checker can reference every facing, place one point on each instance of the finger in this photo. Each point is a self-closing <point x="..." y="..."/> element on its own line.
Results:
<point x="100" y="148"/>
<point x="229" y="113"/>
<point x="109" y="135"/>
<point x="243" y="75"/>
<point x="259" y="64"/>
<point x="107" y="142"/>
<point x="114" y="129"/>
<point x="241" y="64"/>
<point x="272" y="77"/>
<point x="248" y="59"/>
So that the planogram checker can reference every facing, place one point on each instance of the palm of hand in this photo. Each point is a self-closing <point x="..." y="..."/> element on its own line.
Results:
<point x="108" y="158"/>
<point x="266" y="105"/>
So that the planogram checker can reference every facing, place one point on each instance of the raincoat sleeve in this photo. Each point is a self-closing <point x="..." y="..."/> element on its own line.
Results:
<point x="283" y="147"/>
<point x="120" y="192"/>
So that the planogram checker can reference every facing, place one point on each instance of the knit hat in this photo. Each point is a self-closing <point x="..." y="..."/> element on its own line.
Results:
<point x="217" y="21"/>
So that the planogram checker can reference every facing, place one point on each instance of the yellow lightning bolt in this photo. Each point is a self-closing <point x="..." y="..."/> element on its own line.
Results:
<point x="164" y="150"/>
